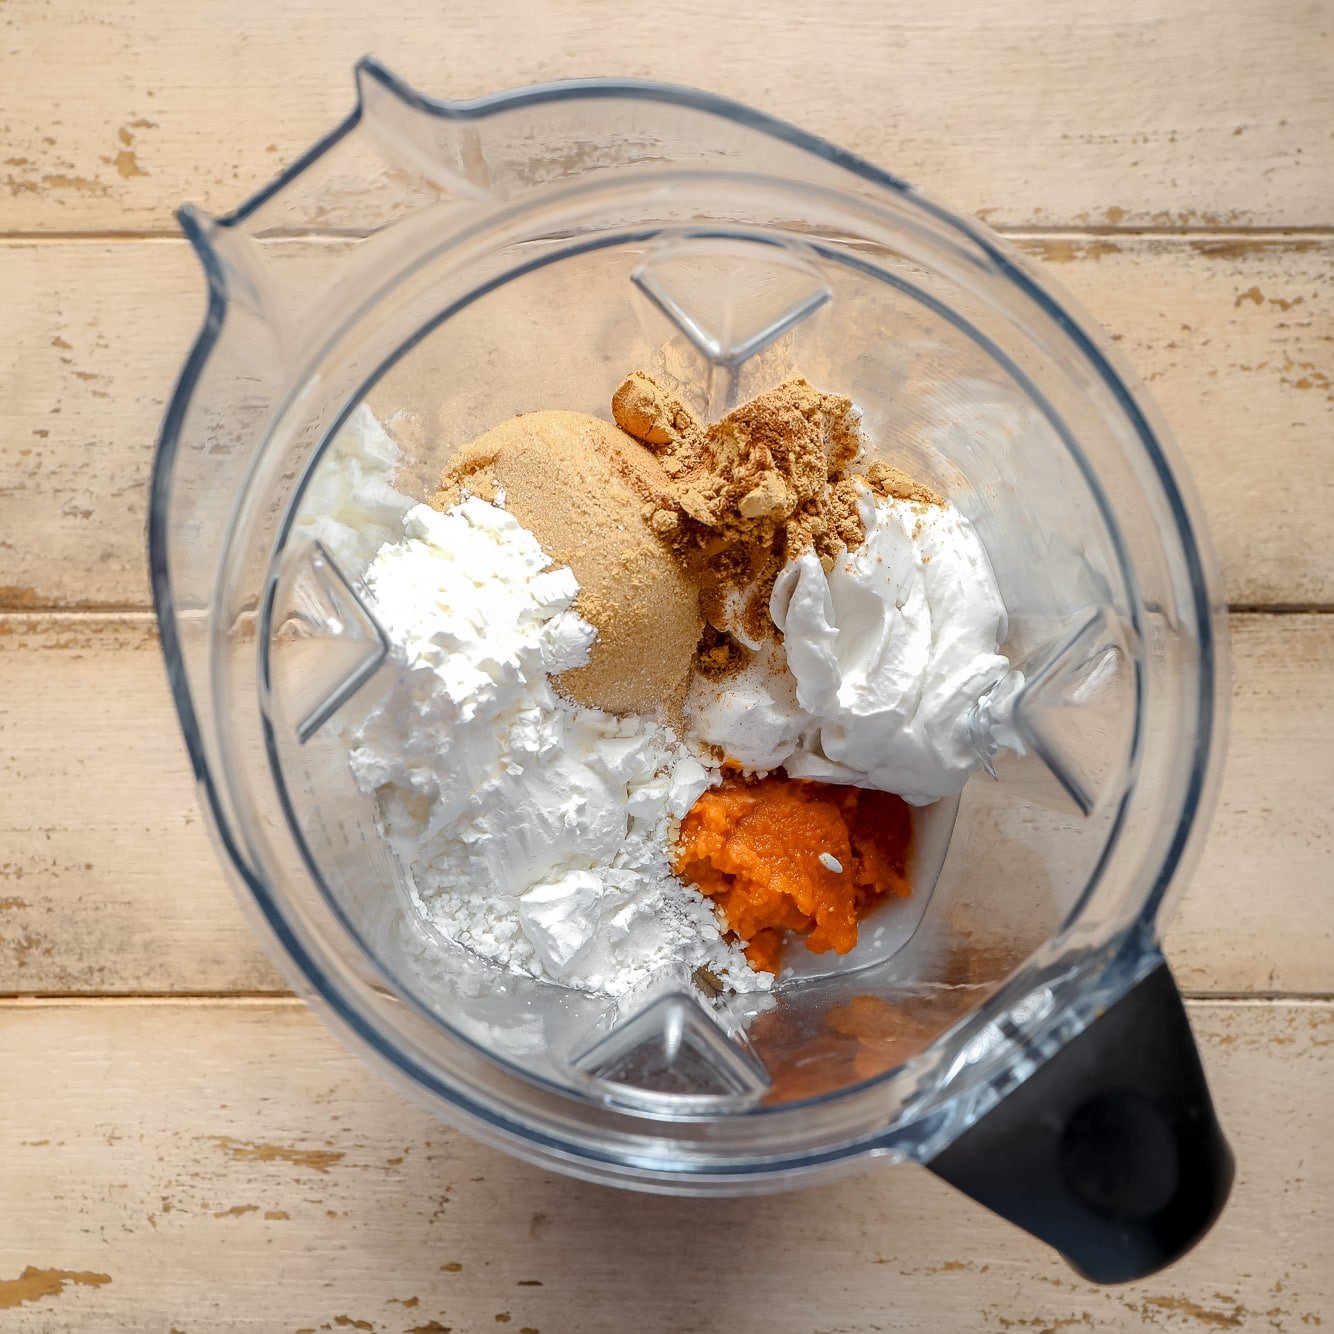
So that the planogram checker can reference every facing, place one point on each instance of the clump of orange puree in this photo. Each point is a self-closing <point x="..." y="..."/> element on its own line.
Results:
<point x="755" y="846"/>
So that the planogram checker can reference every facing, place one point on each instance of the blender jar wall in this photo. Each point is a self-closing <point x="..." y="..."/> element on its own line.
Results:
<point x="266" y="392"/>
<point x="564" y="329"/>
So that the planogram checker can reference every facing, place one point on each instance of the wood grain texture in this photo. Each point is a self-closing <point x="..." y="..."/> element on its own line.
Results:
<point x="109" y="883"/>
<point x="195" y="1164"/>
<point x="211" y="1168"/>
<point x="1056" y="114"/>
<point x="100" y="332"/>
<point x="108" y="879"/>
<point x="1235" y="338"/>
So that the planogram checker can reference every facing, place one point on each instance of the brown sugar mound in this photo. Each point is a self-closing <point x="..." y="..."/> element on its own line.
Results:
<point x="751" y="491"/>
<point x="582" y="488"/>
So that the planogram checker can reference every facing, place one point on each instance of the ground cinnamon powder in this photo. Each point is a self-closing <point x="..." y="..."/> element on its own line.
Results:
<point x="749" y="492"/>
<point x="888" y="481"/>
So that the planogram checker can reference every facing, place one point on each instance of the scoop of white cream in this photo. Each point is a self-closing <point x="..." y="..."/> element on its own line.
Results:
<point x="890" y="650"/>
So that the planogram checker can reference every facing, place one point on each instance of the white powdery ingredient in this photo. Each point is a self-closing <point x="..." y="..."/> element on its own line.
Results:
<point x="351" y="508"/>
<point x="535" y="831"/>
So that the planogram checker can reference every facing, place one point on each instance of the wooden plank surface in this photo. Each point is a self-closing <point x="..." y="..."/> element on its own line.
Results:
<point x="120" y="891"/>
<point x="230" y="1167"/>
<point x="1235" y="338"/>
<point x="108" y="879"/>
<point x="196" y="1162"/>
<point x="1062" y="113"/>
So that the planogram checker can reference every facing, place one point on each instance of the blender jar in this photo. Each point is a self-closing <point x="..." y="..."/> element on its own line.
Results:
<point x="432" y="268"/>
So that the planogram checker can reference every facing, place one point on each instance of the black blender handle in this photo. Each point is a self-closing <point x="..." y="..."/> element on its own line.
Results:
<point x="1110" y="1151"/>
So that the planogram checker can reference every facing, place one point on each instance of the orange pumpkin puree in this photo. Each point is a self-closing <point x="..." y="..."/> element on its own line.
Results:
<point x="755" y="845"/>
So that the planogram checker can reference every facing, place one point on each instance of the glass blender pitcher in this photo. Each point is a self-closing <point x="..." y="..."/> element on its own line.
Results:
<point x="432" y="268"/>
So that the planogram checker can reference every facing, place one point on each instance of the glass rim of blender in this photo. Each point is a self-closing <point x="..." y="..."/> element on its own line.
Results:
<point x="1006" y="271"/>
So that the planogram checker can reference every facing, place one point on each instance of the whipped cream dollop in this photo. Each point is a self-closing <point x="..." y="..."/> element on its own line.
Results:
<point x="534" y="831"/>
<point x="888" y="655"/>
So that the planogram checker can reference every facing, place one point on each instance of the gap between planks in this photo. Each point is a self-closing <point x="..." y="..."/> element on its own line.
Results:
<point x="289" y="1000"/>
<point x="49" y="1000"/>
<point x="136" y="614"/>
<point x="1280" y="608"/>
<point x="1297" y="232"/>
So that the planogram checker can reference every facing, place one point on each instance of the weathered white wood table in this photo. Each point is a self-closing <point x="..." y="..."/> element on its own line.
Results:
<point x="182" y="1147"/>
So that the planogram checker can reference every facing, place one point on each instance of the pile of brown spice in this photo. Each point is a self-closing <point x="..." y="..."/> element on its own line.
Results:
<point x="885" y="480"/>
<point x="749" y="492"/>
